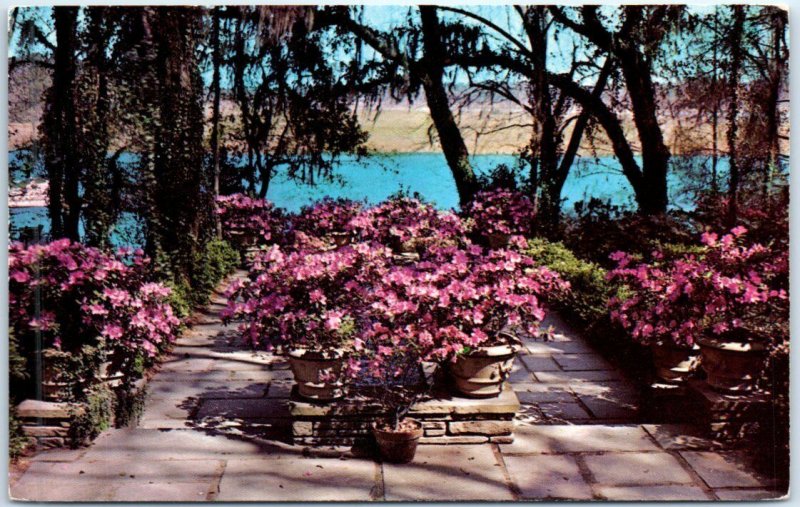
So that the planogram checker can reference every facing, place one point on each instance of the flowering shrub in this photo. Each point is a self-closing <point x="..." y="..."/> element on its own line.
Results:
<point x="73" y="294"/>
<point x="87" y="306"/>
<point x="501" y="211"/>
<point x="304" y="299"/>
<point x="254" y="218"/>
<point x="404" y="221"/>
<point x="326" y="216"/>
<point x="727" y="287"/>
<point x="457" y="300"/>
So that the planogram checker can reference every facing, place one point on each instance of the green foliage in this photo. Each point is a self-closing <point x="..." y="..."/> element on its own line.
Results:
<point x="599" y="229"/>
<point x="17" y="441"/>
<point x="212" y="265"/>
<point x="129" y="407"/>
<point x="589" y="290"/>
<point x="95" y="418"/>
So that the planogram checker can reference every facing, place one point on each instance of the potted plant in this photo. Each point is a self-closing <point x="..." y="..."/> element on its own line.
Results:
<point x="657" y="305"/>
<point x="84" y="306"/>
<point x="387" y="362"/>
<point x="747" y="295"/>
<point x="463" y="301"/>
<point x="501" y="214"/>
<point x="489" y="294"/>
<point x="328" y="220"/>
<point x="409" y="226"/>
<point x="248" y="221"/>
<point x="308" y="304"/>
<point x="720" y="297"/>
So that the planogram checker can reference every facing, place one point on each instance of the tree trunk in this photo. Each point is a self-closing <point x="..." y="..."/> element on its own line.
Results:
<point x="714" y="110"/>
<point x="544" y="146"/>
<point x="99" y="206"/>
<point x="215" y="116"/>
<point x="733" y="110"/>
<point x="773" y="115"/>
<point x="182" y="206"/>
<point x="455" y="151"/>
<point x="59" y="130"/>
<point x="637" y="71"/>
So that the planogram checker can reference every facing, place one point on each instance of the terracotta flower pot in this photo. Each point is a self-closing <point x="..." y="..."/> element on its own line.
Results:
<point x="732" y="366"/>
<point x="317" y="374"/>
<point x="481" y="373"/>
<point x="398" y="446"/>
<point x="673" y="363"/>
<point x="498" y="240"/>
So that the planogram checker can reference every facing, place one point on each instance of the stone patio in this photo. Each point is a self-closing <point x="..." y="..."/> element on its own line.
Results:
<point x="215" y="428"/>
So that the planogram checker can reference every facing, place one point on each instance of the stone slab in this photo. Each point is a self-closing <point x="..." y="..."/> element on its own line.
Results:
<point x="750" y="494"/>
<point x="564" y="377"/>
<point x="581" y="362"/>
<point x="452" y="473"/>
<point x="543" y="393"/>
<point x="602" y="408"/>
<point x="454" y="439"/>
<point x="536" y="363"/>
<point x="578" y="438"/>
<point x="265" y="408"/>
<point x="675" y="437"/>
<point x="138" y="444"/>
<point x="717" y="406"/>
<point x="480" y="427"/>
<point x="671" y="493"/>
<point x="552" y="348"/>
<point x="261" y="375"/>
<point x="157" y="491"/>
<point x="721" y="470"/>
<point x="45" y="431"/>
<point x="207" y="390"/>
<point x="505" y="403"/>
<point x="542" y="477"/>
<point x="297" y="480"/>
<point x="637" y="469"/>
<point x="47" y="409"/>
<point x="561" y="412"/>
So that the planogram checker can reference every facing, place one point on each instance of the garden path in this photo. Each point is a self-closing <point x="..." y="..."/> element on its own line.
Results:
<point x="212" y="430"/>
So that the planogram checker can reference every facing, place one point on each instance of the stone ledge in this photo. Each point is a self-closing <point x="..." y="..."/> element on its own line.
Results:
<point x="446" y="419"/>
<point x="36" y="409"/>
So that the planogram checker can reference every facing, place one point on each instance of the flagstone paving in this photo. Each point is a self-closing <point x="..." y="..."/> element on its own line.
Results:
<point x="215" y="425"/>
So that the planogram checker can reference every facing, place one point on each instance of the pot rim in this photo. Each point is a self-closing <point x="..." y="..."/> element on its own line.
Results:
<point x="393" y="432"/>
<point x="324" y="355"/>
<point x="716" y="343"/>
<point x="669" y="343"/>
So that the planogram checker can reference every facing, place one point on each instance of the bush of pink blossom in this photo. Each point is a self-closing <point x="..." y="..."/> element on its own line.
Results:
<point x="74" y="295"/>
<point x="255" y="219"/>
<point x="306" y="299"/>
<point x="326" y="216"/>
<point x="456" y="300"/>
<point x="408" y="223"/>
<point x="501" y="211"/>
<point x="728" y="287"/>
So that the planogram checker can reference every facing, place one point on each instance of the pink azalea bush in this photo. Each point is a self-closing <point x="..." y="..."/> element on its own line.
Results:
<point x="404" y="221"/>
<point x="74" y="294"/>
<point x="501" y="211"/>
<point x="729" y="287"/>
<point x="254" y="218"/>
<point x="306" y="299"/>
<point x="457" y="300"/>
<point x="326" y="216"/>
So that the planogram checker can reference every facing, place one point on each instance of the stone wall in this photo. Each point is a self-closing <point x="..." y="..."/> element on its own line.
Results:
<point x="446" y="419"/>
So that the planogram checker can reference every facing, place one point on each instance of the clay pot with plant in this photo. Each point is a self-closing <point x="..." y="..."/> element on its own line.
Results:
<point x="308" y="304"/>
<point x="724" y="297"/>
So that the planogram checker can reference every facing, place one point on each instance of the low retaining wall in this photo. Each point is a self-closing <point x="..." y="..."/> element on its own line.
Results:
<point x="446" y="419"/>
